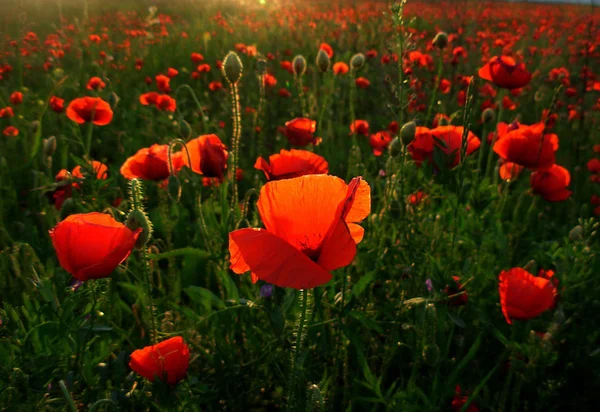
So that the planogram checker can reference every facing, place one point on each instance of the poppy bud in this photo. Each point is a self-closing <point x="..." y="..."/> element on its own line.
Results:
<point x="323" y="61"/>
<point x="357" y="61"/>
<point x="488" y="116"/>
<point x="35" y="125"/>
<point x="431" y="354"/>
<point x="174" y="186"/>
<point x="138" y="219"/>
<point x="58" y="73"/>
<point x="407" y="133"/>
<point x="261" y="66"/>
<point x="113" y="100"/>
<point x="441" y="40"/>
<point x="299" y="65"/>
<point x="395" y="147"/>
<point x="49" y="146"/>
<point x="576" y="233"/>
<point x="232" y="67"/>
<point x="530" y="266"/>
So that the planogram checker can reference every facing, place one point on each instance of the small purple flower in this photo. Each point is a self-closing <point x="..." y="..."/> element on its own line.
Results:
<point x="382" y="173"/>
<point x="429" y="285"/>
<point x="266" y="291"/>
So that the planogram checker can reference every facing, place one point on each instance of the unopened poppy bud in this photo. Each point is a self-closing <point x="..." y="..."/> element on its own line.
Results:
<point x="395" y="147"/>
<point x="232" y="67"/>
<point x="299" y="65"/>
<point x="49" y="146"/>
<point x="323" y="61"/>
<point x="431" y="354"/>
<point x="261" y="66"/>
<point x="576" y="233"/>
<point x="357" y="61"/>
<point x="530" y="266"/>
<point x="174" y="186"/>
<point x="35" y="125"/>
<point x="138" y="219"/>
<point x="113" y="100"/>
<point x="407" y="133"/>
<point x="441" y="40"/>
<point x="488" y="116"/>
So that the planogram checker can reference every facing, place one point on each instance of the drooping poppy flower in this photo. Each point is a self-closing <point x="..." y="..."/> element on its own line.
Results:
<point x="167" y="361"/>
<point x="310" y="229"/>
<point x="82" y="109"/>
<point x="527" y="146"/>
<point x="151" y="163"/>
<point x="292" y="163"/>
<point x="92" y="245"/>
<point x="510" y="171"/>
<point x="327" y="49"/>
<point x="57" y="104"/>
<point x="10" y="131"/>
<point x="360" y="127"/>
<point x="16" y="98"/>
<point x="524" y="296"/>
<point x="299" y="131"/>
<point x="95" y="83"/>
<point x="551" y="183"/>
<point x="207" y="156"/>
<point x="380" y="141"/>
<point x="448" y="139"/>
<point x="340" y="68"/>
<point x="504" y="72"/>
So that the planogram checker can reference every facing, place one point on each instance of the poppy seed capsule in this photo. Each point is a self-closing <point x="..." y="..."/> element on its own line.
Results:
<point x="138" y="219"/>
<point x="113" y="100"/>
<point x="407" y="133"/>
<point x="261" y="66"/>
<point x="440" y="40"/>
<point x="299" y="65"/>
<point x="357" y="61"/>
<point x="488" y="116"/>
<point x="395" y="147"/>
<point x="232" y="67"/>
<point x="323" y="61"/>
<point x="49" y="146"/>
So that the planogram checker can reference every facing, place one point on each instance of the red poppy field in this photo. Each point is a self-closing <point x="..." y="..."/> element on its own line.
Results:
<point x="276" y="205"/>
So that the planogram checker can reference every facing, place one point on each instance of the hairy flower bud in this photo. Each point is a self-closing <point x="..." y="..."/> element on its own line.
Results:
<point x="323" y="61"/>
<point x="441" y="40"/>
<point x="299" y="65"/>
<point x="407" y="133"/>
<point x="138" y="219"/>
<point x="232" y="67"/>
<point x="488" y="116"/>
<point x="357" y="61"/>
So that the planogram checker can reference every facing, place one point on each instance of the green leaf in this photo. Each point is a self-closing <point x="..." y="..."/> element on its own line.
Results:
<point x="362" y="283"/>
<point x="204" y="296"/>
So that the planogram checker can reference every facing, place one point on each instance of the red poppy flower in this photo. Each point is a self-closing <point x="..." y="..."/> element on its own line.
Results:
<point x="504" y="72"/>
<point x="527" y="146"/>
<point x="551" y="183"/>
<point x="594" y="165"/>
<point x="162" y="82"/>
<point x="300" y="131"/>
<point x="208" y="156"/>
<point x="203" y="68"/>
<point x="16" y="98"/>
<point x="292" y="163"/>
<point x="380" y="141"/>
<point x="269" y="80"/>
<point x="167" y="360"/>
<point x="99" y="168"/>
<point x="524" y="296"/>
<point x="422" y="147"/>
<point x="445" y="86"/>
<point x="510" y="171"/>
<point x="362" y="83"/>
<point x="171" y="72"/>
<point x="62" y="192"/>
<point x="149" y="98"/>
<point x="166" y="103"/>
<point x="6" y="112"/>
<point x="454" y="289"/>
<point x="92" y="245"/>
<point x="95" y="83"/>
<point x="283" y="92"/>
<point x="80" y="111"/>
<point x="57" y="104"/>
<point x="460" y="400"/>
<point x="215" y="86"/>
<point x="310" y="230"/>
<point x="415" y="199"/>
<point x="327" y="48"/>
<point x="287" y="66"/>
<point x="10" y="131"/>
<point x="360" y="127"/>
<point x="340" y="68"/>
<point x="197" y="58"/>
<point x="151" y="163"/>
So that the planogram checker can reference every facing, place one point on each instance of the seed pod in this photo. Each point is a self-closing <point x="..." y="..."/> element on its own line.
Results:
<point x="407" y="133"/>
<point x="323" y="61"/>
<point x="138" y="219"/>
<point x="488" y="116"/>
<point x="395" y="147"/>
<point x="357" y="61"/>
<point x="232" y="67"/>
<point x="261" y="66"/>
<point x="49" y="146"/>
<point x="113" y="100"/>
<point x="299" y="65"/>
<point x="441" y="40"/>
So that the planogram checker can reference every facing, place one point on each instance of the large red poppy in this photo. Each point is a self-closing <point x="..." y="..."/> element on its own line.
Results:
<point x="551" y="183"/>
<point x="310" y="229"/>
<point x="167" y="360"/>
<point x="82" y="109"/>
<point x="527" y="146"/>
<point x="151" y="163"/>
<point x="292" y="163"/>
<point x="447" y="138"/>
<point x="92" y="245"/>
<point x="300" y="131"/>
<point x="504" y="72"/>
<point x="380" y="141"/>
<point x="524" y="296"/>
<point x="207" y="156"/>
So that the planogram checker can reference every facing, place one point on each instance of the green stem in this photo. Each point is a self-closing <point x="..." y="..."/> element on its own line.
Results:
<point x="148" y="281"/>
<point x="235" y="142"/>
<point x="292" y="406"/>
